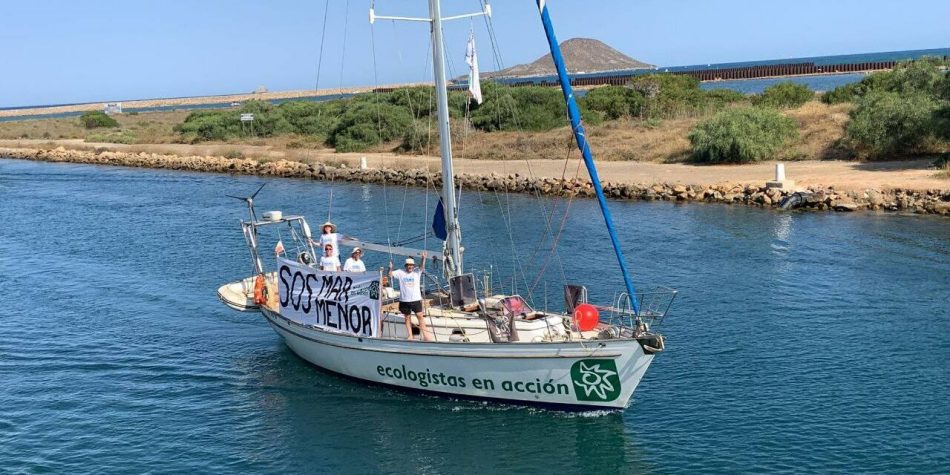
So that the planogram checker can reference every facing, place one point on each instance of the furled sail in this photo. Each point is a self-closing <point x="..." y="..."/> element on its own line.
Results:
<point x="438" y="222"/>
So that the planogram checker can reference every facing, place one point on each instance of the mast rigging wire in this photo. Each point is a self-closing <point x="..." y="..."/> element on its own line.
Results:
<point x="379" y="127"/>
<point x="555" y="238"/>
<point x="323" y="35"/>
<point x="346" y="22"/>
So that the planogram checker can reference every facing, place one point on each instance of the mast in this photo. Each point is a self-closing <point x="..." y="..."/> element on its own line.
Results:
<point x="579" y="135"/>
<point x="453" y="243"/>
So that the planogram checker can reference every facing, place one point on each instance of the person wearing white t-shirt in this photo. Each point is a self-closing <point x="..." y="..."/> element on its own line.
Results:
<point x="410" y="295"/>
<point x="328" y="261"/>
<point x="331" y="237"/>
<point x="354" y="263"/>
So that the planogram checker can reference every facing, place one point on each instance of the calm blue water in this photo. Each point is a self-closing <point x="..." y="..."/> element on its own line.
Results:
<point x="821" y="83"/>
<point x="801" y="342"/>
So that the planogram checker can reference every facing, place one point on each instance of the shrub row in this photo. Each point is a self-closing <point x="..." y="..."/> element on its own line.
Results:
<point x="657" y="96"/>
<point x="742" y="135"/>
<point x="96" y="119"/>
<point x="368" y="120"/>
<point x="406" y="116"/>
<point x="785" y="95"/>
<point x="899" y="112"/>
<point x="351" y="124"/>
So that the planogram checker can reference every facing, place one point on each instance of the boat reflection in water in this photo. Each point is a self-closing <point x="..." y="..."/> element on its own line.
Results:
<point x="379" y="430"/>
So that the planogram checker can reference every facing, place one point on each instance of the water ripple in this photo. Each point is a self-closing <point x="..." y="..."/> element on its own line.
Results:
<point x="800" y="342"/>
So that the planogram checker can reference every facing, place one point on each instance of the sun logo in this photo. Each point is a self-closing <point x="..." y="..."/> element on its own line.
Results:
<point x="596" y="380"/>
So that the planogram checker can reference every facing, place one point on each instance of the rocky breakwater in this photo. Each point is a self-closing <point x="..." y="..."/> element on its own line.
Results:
<point x="815" y="198"/>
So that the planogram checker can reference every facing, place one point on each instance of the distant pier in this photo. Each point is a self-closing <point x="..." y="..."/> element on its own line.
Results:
<point x="709" y="73"/>
<point x="793" y="69"/>
<point x="747" y="72"/>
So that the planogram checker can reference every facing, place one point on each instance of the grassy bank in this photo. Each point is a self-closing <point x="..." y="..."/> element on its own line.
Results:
<point x="624" y="139"/>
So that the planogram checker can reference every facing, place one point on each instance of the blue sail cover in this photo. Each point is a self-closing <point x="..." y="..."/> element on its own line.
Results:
<point x="580" y="137"/>
<point x="438" y="222"/>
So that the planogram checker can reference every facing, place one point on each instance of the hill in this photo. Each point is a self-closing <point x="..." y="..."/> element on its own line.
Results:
<point x="582" y="55"/>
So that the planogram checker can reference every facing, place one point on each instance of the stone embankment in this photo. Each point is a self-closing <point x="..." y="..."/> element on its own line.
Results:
<point x="921" y="202"/>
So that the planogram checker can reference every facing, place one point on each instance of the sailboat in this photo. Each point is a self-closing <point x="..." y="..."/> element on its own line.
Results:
<point x="472" y="343"/>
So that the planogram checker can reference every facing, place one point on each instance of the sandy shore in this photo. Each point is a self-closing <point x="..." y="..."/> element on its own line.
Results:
<point x="842" y="175"/>
<point x="479" y="176"/>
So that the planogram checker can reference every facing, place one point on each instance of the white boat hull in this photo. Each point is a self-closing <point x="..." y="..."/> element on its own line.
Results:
<point x="594" y="374"/>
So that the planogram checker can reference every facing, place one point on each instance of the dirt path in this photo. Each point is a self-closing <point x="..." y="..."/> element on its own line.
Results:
<point x="844" y="175"/>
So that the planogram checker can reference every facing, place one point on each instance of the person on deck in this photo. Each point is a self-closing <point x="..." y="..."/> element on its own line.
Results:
<point x="354" y="263"/>
<point x="329" y="261"/>
<point x="330" y="236"/>
<point x="410" y="295"/>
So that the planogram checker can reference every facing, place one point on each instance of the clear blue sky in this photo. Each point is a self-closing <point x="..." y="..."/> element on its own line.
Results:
<point x="60" y="51"/>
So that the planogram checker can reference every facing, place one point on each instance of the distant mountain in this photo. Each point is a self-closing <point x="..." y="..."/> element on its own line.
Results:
<point x="582" y="55"/>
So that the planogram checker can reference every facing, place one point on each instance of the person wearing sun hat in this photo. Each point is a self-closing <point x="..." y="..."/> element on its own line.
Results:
<point x="354" y="263"/>
<point x="329" y="236"/>
<point x="410" y="295"/>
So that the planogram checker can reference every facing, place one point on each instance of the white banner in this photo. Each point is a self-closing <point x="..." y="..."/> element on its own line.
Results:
<point x="344" y="302"/>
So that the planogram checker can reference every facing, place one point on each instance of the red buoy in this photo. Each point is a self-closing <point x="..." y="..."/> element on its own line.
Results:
<point x="586" y="317"/>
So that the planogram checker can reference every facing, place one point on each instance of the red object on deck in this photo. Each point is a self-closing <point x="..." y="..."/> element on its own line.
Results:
<point x="586" y="317"/>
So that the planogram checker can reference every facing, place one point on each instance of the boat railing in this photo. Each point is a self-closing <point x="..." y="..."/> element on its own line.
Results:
<point x="652" y="307"/>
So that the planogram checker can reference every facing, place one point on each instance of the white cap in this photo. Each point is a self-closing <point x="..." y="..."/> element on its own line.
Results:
<point x="355" y="250"/>
<point x="410" y="260"/>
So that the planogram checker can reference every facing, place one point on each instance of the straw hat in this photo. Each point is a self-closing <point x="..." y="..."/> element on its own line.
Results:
<point x="332" y="226"/>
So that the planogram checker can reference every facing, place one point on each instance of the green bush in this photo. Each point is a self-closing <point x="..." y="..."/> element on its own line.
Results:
<point x="841" y="94"/>
<point x="420" y="101"/>
<point x="226" y="124"/>
<point x="944" y="89"/>
<point x="898" y="112"/>
<point x="785" y="95"/>
<point x="742" y="135"/>
<point x="520" y="108"/>
<point x="417" y="137"/>
<point x="613" y="102"/>
<point x="669" y="96"/>
<point x="924" y="75"/>
<point x="364" y="125"/>
<point x="920" y="76"/>
<point x="942" y="161"/>
<point x="349" y="124"/>
<point x="316" y="119"/>
<point x="722" y="97"/>
<point x="941" y="121"/>
<point x="96" y="119"/>
<point x="886" y="122"/>
<point x="211" y="125"/>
